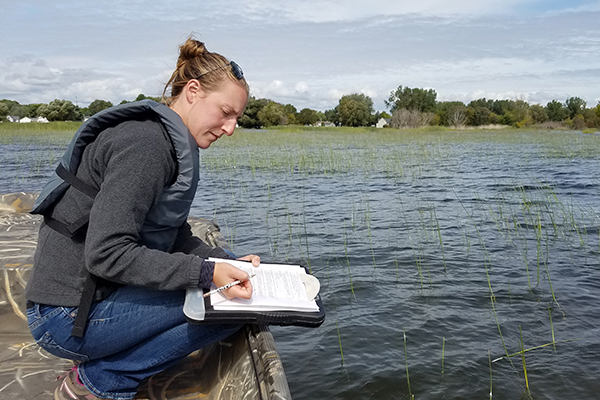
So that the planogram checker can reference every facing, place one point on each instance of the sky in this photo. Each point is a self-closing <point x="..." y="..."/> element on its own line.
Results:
<point x="307" y="53"/>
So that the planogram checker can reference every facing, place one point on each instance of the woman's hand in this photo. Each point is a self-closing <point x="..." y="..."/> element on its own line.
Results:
<point x="254" y="259"/>
<point x="226" y="273"/>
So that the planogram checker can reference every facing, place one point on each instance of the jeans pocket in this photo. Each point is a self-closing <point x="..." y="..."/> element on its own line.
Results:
<point x="32" y="316"/>
<point x="48" y="344"/>
<point x="39" y="314"/>
<point x="49" y="322"/>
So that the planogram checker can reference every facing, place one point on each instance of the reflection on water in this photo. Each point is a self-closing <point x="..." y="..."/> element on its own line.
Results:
<point x="464" y="245"/>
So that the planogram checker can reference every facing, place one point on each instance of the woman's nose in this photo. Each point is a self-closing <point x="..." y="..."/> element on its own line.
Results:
<point x="229" y="127"/>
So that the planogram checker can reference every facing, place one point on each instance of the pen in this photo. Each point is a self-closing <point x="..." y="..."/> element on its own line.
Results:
<point x="219" y="289"/>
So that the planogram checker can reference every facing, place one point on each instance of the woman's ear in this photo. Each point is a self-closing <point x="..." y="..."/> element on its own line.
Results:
<point x="193" y="89"/>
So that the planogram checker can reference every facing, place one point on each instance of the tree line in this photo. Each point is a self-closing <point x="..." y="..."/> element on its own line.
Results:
<point x="408" y="108"/>
<point x="58" y="110"/>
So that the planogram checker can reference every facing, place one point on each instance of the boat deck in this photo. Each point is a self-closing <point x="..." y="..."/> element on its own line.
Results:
<point x="244" y="366"/>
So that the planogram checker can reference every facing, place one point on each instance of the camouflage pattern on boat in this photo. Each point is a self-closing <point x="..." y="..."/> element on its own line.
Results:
<point x="247" y="363"/>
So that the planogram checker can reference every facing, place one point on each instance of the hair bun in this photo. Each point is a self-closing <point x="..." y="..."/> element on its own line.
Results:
<point x="191" y="49"/>
<point x="195" y="62"/>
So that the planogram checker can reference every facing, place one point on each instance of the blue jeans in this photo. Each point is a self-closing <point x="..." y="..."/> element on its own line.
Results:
<point x="132" y="334"/>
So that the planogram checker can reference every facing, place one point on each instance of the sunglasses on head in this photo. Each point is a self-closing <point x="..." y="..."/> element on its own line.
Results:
<point x="235" y="69"/>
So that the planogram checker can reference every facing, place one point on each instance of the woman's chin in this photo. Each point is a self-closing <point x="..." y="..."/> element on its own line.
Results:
<point x="205" y="144"/>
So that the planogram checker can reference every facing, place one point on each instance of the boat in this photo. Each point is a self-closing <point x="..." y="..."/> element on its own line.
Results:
<point x="246" y="365"/>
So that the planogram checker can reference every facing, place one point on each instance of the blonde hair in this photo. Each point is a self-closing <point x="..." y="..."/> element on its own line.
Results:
<point x="195" y="62"/>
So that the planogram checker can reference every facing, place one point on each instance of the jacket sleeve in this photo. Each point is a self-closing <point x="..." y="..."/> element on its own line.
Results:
<point x="189" y="244"/>
<point x="134" y="166"/>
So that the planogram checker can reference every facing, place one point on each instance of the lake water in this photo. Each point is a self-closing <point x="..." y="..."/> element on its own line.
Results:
<point x="437" y="254"/>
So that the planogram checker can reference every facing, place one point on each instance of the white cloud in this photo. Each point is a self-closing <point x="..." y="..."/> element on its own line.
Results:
<point x="490" y="48"/>
<point x="301" y="87"/>
<point x="333" y="10"/>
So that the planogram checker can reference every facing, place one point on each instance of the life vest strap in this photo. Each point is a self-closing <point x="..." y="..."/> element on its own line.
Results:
<point x="85" y="303"/>
<point x="74" y="181"/>
<point x="71" y="231"/>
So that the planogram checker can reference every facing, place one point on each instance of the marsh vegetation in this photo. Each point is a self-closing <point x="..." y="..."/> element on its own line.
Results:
<point x="453" y="264"/>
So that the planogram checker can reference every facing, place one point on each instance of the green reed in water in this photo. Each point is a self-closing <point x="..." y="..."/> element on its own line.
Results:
<point x="340" y="341"/>
<point x="406" y="362"/>
<point x="402" y="159"/>
<point x="443" y="349"/>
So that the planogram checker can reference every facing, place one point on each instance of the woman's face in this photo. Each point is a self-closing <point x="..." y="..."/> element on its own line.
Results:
<point x="211" y="115"/>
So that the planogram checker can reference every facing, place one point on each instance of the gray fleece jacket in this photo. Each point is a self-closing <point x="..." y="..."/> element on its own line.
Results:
<point x="130" y="165"/>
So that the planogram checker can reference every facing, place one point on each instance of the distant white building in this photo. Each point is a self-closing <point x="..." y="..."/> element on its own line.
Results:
<point x="383" y="122"/>
<point x="27" y="120"/>
<point x="12" y="118"/>
<point x="323" y="123"/>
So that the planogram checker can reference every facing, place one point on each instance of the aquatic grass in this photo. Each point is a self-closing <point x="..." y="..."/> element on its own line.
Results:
<point x="551" y="288"/>
<point x="505" y="227"/>
<point x="528" y="392"/>
<point x="57" y="133"/>
<point x="518" y="353"/>
<point x="340" y="341"/>
<point x="551" y="327"/>
<point x="491" y="377"/>
<point x="524" y="252"/>
<point x="443" y="350"/>
<point x="411" y="396"/>
<point x="306" y="233"/>
<point x="500" y="330"/>
<point x="412" y="246"/>
<point x="538" y="236"/>
<point x="368" y="224"/>
<point x="437" y="223"/>
<point x="348" y="261"/>
<point x="486" y="256"/>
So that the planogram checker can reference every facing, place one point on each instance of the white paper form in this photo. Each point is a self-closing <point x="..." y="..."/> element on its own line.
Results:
<point x="275" y="287"/>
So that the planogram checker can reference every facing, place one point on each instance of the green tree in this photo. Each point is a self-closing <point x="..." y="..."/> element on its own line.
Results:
<point x="332" y="116"/>
<point x="412" y="99"/>
<point x="578" y="122"/>
<point x="142" y="96"/>
<point x="307" y="116"/>
<point x="483" y="102"/>
<point x="60" y="110"/>
<point x="31" y="110"/>
<point x="575" y="105"/>
<point x="355" y="110"/>
<point x="479" y="115"/>
<point x="273" y="114"/>
<point x="3" y="110"/>
<point x="291" y="113"/>
<point x="539" y="115"/>
<point x="519" y="111"/>
<point x="250" y="118"/>
<point x="445" y="109"/>
<point x="98" y="105"/>
<point x="501" y="107"/>
<point x="14" y="108"/>
<point x="556" y="111"/>
<point x="590" y="117"/>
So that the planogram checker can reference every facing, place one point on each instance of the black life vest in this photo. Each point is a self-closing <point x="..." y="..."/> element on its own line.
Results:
<point x="162" y="221"/>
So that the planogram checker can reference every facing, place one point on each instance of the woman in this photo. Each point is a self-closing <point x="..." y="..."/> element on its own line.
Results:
<point x="115" y="252"/>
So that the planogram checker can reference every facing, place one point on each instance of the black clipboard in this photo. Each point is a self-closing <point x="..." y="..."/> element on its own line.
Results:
<point x="198" y="310"/>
